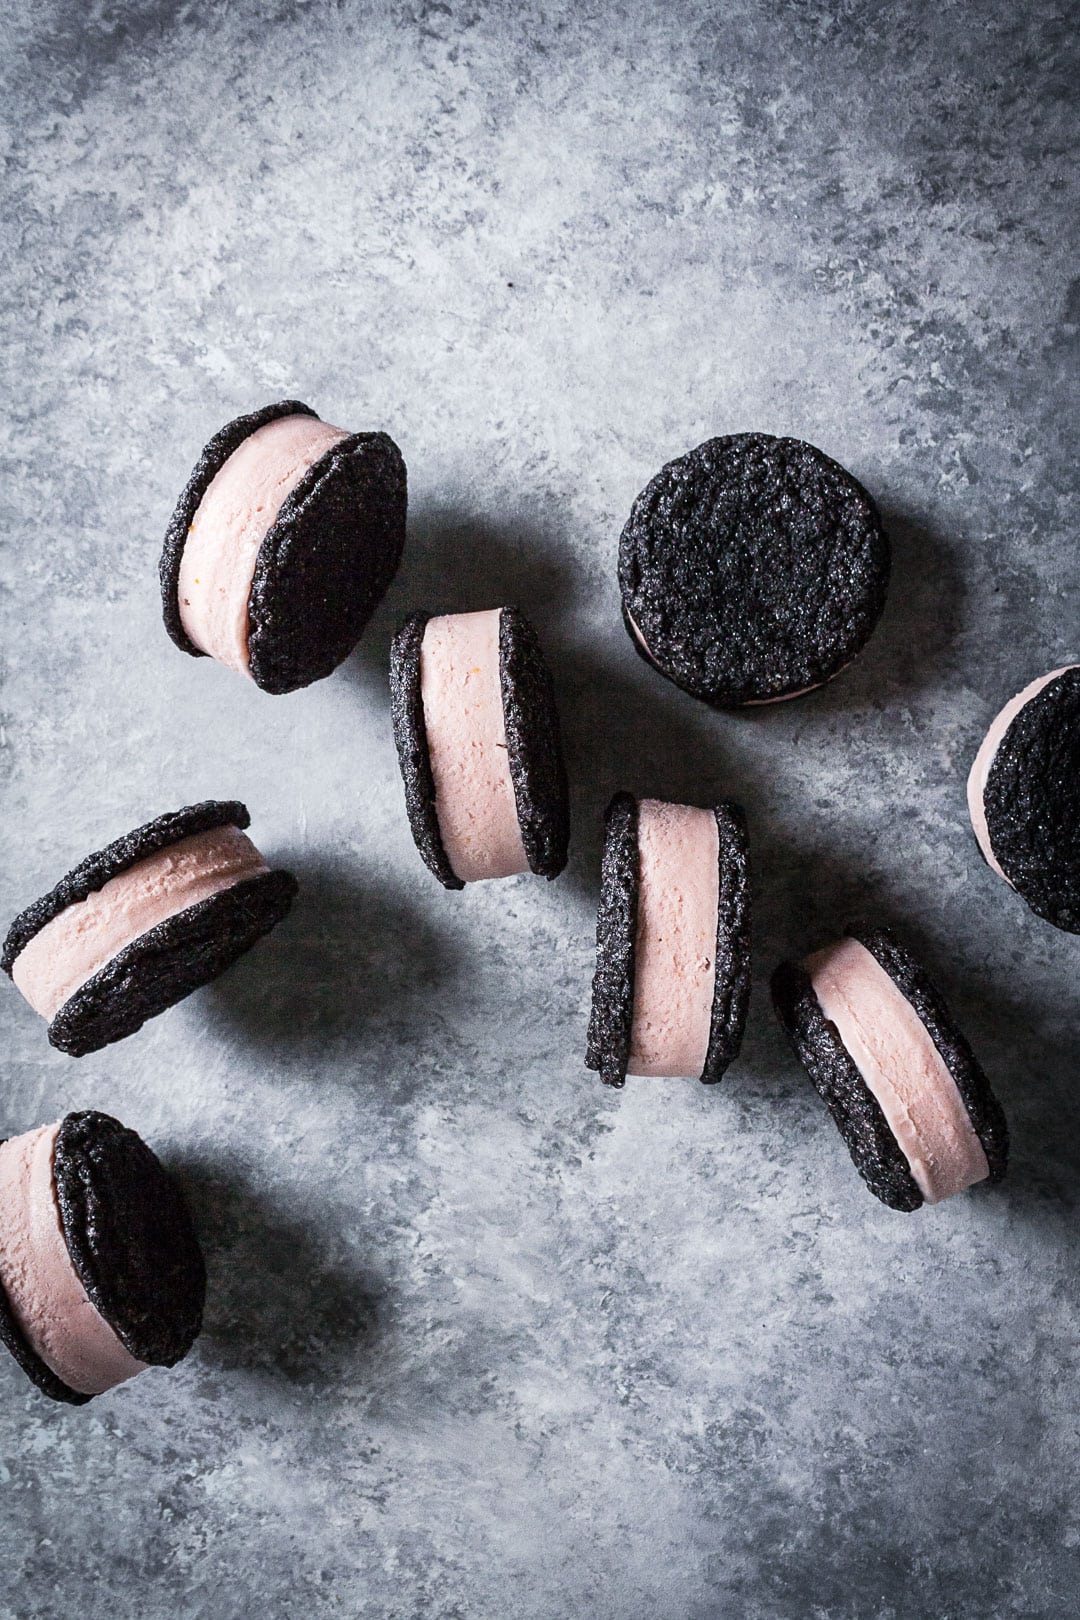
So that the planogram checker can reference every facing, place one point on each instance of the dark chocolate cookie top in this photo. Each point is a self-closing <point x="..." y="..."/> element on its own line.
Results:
<point x="753" y="568"/>
<point x="96" y="870"/>
<point x="209" y="464"/>
<point x="130" y="1237"/>
<point x="326" y="562"/>
<point x="534" y="749"/>
<point x="1032" y="802"/>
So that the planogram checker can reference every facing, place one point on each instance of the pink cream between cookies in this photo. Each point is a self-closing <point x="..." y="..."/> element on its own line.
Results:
<point x="46" y="1297"/>
<point x="85" y="936"/>
<point x="903" y="1069"/>
<point x="230" y="524"/>
<point x="675" y="945"/>
<point x="461" y="690"/>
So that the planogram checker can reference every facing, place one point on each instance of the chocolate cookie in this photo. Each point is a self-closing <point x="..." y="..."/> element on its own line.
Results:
<point x="752" y="569"/>
<point x="1024" y="796"/>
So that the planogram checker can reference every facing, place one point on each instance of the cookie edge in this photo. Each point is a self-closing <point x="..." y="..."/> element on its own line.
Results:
<point x="532" y="728"/>
<point x="731" y="993"/>
<point x="410" y="739"/>
<point x="607" y="1049"/>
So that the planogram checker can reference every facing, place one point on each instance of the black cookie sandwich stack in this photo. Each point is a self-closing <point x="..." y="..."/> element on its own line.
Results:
<point x="1024" y="796"/>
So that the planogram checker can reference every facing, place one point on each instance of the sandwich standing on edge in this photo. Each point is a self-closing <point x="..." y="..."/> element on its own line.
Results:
<point x="477" y="735"/>
<point x="672" y="979"/>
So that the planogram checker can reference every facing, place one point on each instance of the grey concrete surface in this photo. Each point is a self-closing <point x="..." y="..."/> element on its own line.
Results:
<point x="482" y="1339"/>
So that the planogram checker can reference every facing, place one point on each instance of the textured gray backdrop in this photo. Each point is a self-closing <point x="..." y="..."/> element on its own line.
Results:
<point x="482" y="1339"/>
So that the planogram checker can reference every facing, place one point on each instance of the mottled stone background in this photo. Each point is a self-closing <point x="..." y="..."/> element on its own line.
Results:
<point x="484" y="1340"/>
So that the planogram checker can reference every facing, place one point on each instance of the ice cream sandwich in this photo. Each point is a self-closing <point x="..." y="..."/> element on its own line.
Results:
<point x="752" y="569"/>
<point x="282" y="545"/>
<point x="477" y="735"/>
<point x="137" y="926"/>
<point x="1024" y="796"/>
<point x="902" y="1084"/>
<point x="672" y="977"/>
<point x="101" y="1274"/>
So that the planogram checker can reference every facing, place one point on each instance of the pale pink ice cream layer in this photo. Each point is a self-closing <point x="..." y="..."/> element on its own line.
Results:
<point x="675" y="945"/>
<point x="51" y="1307"/>
<point x="85" y="936"/>
<point x="984" y="759"/>
<point x="466" y="736"/>
<point x="230" y="524"/>
<point x="896" y="1056"/>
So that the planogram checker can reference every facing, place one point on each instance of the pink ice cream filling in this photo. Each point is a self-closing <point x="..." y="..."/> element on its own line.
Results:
<point x="231" y="522"/>
<point x="984" y="759"/>
<point x="461" y="690"/>
<point x="82" y="938"/>
<point x="675" y="945"/>
<point x="903" y="1069"/>
<point x="50" y="1306"/>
